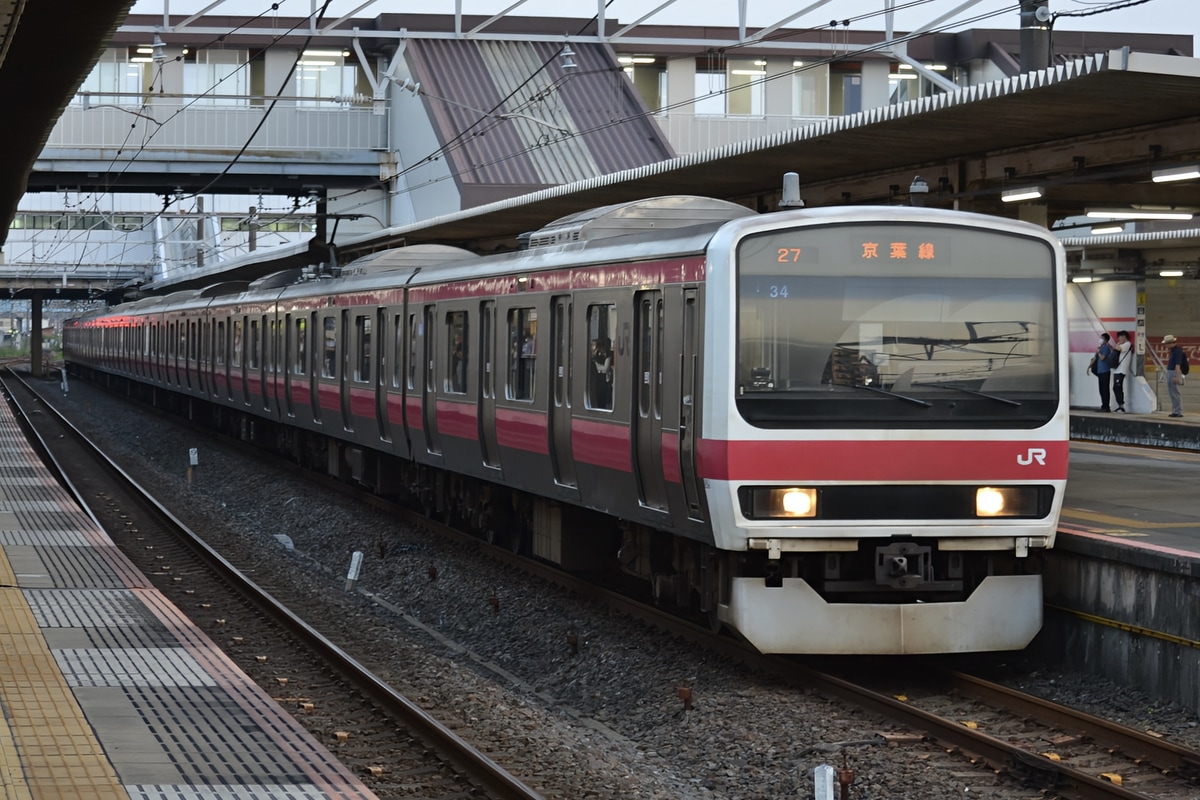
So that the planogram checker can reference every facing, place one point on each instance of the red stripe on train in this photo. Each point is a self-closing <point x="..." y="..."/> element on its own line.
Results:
<point x="670" y="457"/>
<point x="882" y="461"/>
<point x="522" y="430"/>
<point x="601" y="444"/>
<point x="456" y="418"/>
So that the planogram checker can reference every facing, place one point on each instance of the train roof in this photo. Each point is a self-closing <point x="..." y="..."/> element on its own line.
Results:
<point x="636" y="216"/>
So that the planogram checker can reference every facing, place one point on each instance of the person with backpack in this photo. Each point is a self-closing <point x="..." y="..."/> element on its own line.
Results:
<point x="1124" y="355"/>
<point x="1102" y="365"/>
<point x="1177" y="367"/>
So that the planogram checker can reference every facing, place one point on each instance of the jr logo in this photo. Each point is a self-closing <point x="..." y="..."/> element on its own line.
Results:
<point x="1031" y="455"/>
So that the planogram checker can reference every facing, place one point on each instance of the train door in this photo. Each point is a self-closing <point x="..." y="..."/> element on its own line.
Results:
<point x="560" y="393"/>
<point x="346" y="374"/>
<point x="487" y="385"/>
<point x="382" y="377"/>
<point x="689" y="399"/>
<point x="647" y="411"/>
<point x="429" y="405"/>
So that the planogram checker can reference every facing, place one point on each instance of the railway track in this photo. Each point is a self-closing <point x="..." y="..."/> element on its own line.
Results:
<point x="1042" y="745"/>
<point x="350" y="709"/>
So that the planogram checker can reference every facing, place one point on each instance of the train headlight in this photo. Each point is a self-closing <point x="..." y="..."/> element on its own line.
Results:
<point x="1002" y="501"/>
<point x="780" y="502"/>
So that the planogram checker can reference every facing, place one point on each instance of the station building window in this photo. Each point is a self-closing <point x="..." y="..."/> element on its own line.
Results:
<point x="213" y="76"/>
<point x="648" y="74"/>
<point x="322" y="75"/>
<point x="735" y="86"/>
<point x="115" y="80"/>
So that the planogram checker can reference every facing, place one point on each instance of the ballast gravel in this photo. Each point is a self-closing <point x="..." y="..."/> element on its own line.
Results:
<point x="602" y="721"/>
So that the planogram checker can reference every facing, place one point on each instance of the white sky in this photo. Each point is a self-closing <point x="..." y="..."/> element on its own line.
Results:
<point x="1149" y="16"/>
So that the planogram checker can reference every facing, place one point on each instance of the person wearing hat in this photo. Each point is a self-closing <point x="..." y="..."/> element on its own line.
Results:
<point x="1175" y="360"/>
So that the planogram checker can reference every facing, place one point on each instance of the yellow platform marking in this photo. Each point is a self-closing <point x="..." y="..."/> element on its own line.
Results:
<point x="1132" y="525"/>
<point x="47" y="748"/>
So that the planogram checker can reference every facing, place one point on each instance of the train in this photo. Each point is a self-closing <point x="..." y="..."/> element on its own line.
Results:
<point x="831" y="430"/>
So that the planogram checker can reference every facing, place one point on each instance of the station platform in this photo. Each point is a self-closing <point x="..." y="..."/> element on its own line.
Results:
<point x="1121" y="583"/>
<point x="1142" y="497"/>
<point x="107" y="690"/>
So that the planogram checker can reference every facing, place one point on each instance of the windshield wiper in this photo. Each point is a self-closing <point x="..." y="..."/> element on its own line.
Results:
<point x="903" y="397"/>
<point x="995" y="397"/>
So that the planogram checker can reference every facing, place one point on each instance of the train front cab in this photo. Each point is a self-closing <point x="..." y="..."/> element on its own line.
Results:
<point x="887" y="449"/>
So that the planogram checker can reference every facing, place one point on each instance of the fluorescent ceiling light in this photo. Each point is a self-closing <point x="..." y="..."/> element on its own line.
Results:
<point x="309" y="62"/>
<point x="140" y="60"/>
<point x="797" y="63"/>
<point x="907" y="76"/>
<point x="1082" y="279"/>
<point x="1133" y="213"/>
<point x="760" y="63"/>
<point x="1171" y="273"/>
<point x="906" y="66"/>
<point x="1023" y="193"/>
<point x="1176" y="174"/>
<point x="747" y="72"/>
<point x="1108" y="227"/>
<point x="937" y="67"/>
<point x="325" y="53"/>
<point x="147" y="50"/>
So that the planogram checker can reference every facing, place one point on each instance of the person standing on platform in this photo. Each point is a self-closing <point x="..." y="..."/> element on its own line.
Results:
<point x="1175" y="361"/>
<point x="1124" y="359"/>
<point x="1102" y="369"/>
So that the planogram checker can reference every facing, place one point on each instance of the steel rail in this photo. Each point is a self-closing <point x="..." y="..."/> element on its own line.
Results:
<point x="493" y="778"/>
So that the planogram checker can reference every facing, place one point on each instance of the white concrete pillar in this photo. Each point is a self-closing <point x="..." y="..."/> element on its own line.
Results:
<point x="875" y="89"/>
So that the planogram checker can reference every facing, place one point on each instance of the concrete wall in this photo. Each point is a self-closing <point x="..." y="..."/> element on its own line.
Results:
<point x="1154" y="600"/>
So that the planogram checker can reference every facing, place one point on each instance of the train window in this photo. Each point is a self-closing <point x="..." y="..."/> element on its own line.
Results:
<point x="272" y="346"/>
<point x="397" y="362"/>
<point x="236" y="360"/>
<point x="220" y="356"/>
<point x="300" y="357"/>
<point x="252" y="352"/>
<point x="456" y="334"/>
<point x="362" y="332"/>
<point x="602" y="327"/>
<point x="522" y="353"/>
<point x="329" y="360"/>
<point x="414" y="332"/>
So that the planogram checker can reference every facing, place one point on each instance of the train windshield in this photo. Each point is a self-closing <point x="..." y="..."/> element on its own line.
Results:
<point x="895" y="326"/>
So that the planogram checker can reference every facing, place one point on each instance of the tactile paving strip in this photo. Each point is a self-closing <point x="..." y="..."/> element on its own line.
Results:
<point x="246" y="792"/>
<point x="94" y="608"/>
<point x="77" y="568"/>
<point x="34" y="537"/>
<point x="205" y="735"/>
<point x="136" y="666"/>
